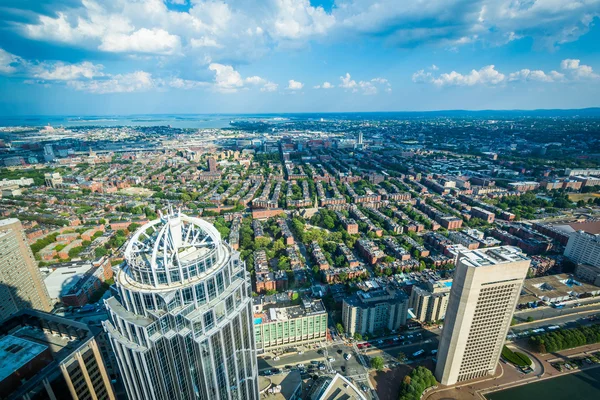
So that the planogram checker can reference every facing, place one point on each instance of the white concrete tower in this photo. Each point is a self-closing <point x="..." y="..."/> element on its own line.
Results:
<point x="485" y="290"/>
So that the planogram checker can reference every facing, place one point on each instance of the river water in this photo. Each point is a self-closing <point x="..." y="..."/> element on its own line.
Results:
<point x="580" y="385"/>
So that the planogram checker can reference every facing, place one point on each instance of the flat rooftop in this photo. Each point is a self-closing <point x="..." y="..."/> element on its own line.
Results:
<point x="288" y="384"/>
<point x="62" y="279"/>
<point x="557" y="286"/>
<point x="8" y="221"/>
<point x="273" y="314"/>
<point x="16" y="352"/>
<point x="492" y="256"/>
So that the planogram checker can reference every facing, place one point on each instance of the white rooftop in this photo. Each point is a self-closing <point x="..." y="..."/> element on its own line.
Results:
<point x="492" y="256"/>
<point x="62" y="279"/>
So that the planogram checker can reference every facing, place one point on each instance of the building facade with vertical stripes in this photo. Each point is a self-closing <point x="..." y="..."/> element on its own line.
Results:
<point x="181" y="323"/>
<point x="44" y="356"/>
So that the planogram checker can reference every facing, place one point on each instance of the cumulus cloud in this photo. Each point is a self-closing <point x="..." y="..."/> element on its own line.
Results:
<point x="228" y="80"/>
<point x="296" y="19"/>
<point x="578" y="70"/>
<point x="487" y="75"/>
<point x="233" y="30"/>
<point x="347" y="82"/>
<point x="123" y="83"/>
<point x="572" y="69"/>
<point x="66" y="72"/>
<point x="536" y="76"/>
<point x="366" y="87"/>
<point x="155" y="41"/>
<point x="295" y="85"/>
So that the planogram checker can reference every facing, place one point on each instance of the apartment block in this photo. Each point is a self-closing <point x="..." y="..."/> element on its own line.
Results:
<point x="584" y="248"/>
<point x="22" y="285"/>
<point x="430" y="301"/>
<point x="374" y="311"/>
<point x="280" y="327"/>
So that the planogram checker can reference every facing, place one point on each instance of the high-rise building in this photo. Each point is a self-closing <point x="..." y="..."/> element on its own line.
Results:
<point x="583" y="248"/>
<point x="485" y="290"/>
<point x="360" y="138"/>
<point x="212" y="164"/>
<point x="45" y="356"/>
<point x="181" y="323"/>
<point x="21" y="284"/>
<point x="374" y="311"/>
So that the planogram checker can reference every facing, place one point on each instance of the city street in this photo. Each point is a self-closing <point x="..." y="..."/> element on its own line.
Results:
<point x="591" y="304"/>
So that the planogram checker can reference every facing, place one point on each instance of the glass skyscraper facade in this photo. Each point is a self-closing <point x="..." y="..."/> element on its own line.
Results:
<point x="181" y="325"/>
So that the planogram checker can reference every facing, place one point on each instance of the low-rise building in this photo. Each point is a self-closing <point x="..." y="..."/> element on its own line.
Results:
<point x="283" y="327"/>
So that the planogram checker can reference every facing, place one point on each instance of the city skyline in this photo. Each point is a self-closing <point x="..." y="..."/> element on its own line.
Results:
<point x="57" y="57"/>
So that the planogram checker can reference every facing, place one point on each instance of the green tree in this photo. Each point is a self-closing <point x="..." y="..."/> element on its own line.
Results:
<point x="100" y="252"/>
<point x="377" y="363"/>
<point x="357" y="336"/>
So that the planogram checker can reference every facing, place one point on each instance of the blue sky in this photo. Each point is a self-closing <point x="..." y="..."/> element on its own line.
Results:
<point x="250" y="56"/>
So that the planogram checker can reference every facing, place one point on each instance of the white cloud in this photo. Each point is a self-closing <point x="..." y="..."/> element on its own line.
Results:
<point x="578" y="70"/>
<point x="295" y="85"/>
<point x="573" y="71"/>
<point x="325" y="85"/>
<point x="456" y="23"/>
<point x="227" y="79"/>
<point x="348" y="82"/>
<point x="487" y="75"/>
<point x="154" y="41"/>
<point x="67" y="72"/>
<point x="245" y="30"/>
<point x="8" y="62"/>
<point x="295" y="19"/>
<point x="123" y="83"/>
<point x="536" y="75"/>
<point x="366" y="87"/>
